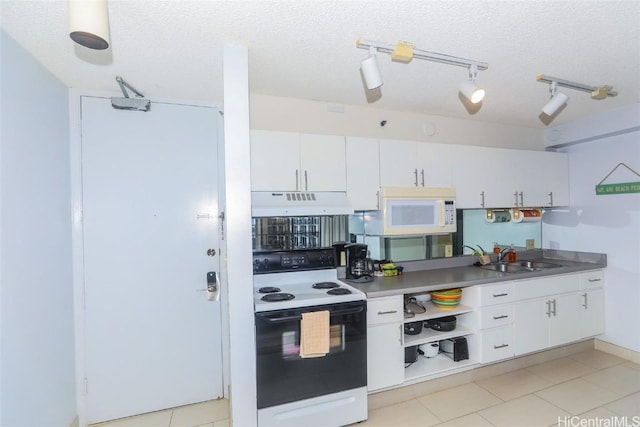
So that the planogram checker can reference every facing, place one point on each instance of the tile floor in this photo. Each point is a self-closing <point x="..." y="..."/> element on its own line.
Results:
<point x="590" y="388"/>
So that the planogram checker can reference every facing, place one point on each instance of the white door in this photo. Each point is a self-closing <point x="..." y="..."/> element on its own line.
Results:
<point x="152" y="339"/>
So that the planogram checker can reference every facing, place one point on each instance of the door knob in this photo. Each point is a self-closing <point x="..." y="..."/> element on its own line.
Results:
<point x="211" y="252"/>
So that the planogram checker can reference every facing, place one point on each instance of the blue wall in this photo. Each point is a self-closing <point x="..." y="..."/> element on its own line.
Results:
<point x="37" y="353"/>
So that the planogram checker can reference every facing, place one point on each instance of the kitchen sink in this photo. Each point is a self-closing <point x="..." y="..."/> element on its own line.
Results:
<point x="538" y="265"/>
<point x="520" y="267"/>
<point x="508" y="268"/>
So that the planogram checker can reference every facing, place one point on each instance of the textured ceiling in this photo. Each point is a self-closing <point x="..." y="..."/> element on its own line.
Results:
<point x="306" y="49"/>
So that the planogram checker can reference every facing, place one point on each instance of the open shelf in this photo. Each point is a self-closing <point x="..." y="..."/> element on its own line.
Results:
<point x="433" y="312"/>
<point x="430" y="335"/>
<point x="423" y="366"/>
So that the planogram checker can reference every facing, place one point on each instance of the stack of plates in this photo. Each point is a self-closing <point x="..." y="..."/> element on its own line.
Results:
<point x="446" y="299"/>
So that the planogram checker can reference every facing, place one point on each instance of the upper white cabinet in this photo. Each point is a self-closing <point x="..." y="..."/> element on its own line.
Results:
<point x="415" y="164"/>
<point x="502" y="178"/>
<point x="363" y="173"/>
<point x="285" y="161"/>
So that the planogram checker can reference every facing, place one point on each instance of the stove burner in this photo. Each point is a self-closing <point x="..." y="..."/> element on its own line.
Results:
<point x="268" y="290"/>
<point x="339" y="291"/>
<point x="277" y="297"/>
<point x="325" y="285"/>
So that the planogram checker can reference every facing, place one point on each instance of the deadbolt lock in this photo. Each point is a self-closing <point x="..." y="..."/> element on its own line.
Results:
<point x="211" y="252"/>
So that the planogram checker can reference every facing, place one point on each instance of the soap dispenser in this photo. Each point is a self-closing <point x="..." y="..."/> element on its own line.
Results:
<point x="512" y="254"/>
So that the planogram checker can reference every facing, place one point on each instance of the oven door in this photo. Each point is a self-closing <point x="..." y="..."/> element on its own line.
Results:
<point x="283" y="376"/>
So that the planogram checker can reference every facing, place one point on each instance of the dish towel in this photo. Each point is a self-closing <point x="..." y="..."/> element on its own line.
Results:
<point x="314" y="334"/>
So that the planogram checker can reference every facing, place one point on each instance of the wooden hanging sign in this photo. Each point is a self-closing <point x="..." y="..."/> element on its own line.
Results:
<point x="619" y="188"/>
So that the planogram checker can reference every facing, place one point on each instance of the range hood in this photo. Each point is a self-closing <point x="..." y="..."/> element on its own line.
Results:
<point x="299" y="203"/>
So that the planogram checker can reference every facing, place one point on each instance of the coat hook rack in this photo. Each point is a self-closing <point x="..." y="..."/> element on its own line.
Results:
<point x="619" y="188"/>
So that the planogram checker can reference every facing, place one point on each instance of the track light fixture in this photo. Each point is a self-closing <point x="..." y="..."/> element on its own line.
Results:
<point x="559" y="99"/>
<point x="469" y="89"/>
<point x="89" y="23"/>
<point x="405" y="52"/>
<point x="370" y="70"/>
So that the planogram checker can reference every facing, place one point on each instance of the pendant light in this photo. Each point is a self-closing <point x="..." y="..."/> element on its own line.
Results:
<point x="469" y="88"/>
<point x="89" y="23"/>
<point x="370" y="70"/>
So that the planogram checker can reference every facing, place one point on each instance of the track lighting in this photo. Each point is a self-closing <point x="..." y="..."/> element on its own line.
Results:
<point x="370" y="70"/>
<point x="469" y="89"/>
<point x="89" y="23"/>
<point x="558" y="99"/>
<point x="405" y="52"/>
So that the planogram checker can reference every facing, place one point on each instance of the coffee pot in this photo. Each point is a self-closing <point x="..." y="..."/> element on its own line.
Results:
<point x="358" y="265"/>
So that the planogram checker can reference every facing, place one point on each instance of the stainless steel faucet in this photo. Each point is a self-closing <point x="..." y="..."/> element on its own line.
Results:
<point x="502" y="254"/>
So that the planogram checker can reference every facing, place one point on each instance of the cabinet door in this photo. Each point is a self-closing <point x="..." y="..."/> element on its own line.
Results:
<point x="385" y="356"/>
<point x="322" y="163"/>
<point x="398" y="167"/>
<point x="434" y="165"/>
<point x="543" y="179"/>
<point x="564" y="323"/>
<point x="363" y="173"/>
<point x="275" y="161"/>
<point x="497" y="343"/>
<point x="531" y="326"/>
<point x="592" y="312"/>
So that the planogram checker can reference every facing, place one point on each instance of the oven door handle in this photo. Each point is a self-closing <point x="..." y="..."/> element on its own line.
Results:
<point x="299" y="316"/>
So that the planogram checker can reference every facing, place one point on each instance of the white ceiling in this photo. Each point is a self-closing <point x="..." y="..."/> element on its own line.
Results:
<point x="306" y="49"/>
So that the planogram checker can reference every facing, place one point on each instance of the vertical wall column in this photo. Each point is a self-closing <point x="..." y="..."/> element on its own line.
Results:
<point x="237" y="190"/>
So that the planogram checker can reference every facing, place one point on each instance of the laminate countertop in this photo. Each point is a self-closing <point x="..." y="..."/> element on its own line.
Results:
<point x="431" y="279"/>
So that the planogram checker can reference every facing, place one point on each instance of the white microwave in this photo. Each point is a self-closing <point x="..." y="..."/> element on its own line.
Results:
<point x="413" y="211"/>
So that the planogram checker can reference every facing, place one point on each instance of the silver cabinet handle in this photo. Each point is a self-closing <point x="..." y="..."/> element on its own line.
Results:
<point x="521" y="200"/>
<point x="550" y="198"/>
<point x="306" y="182"/>
<point x="554" y="307"/>
<point x="297" y="180"/>
<point x="499" y="295"/>
<point x="495" y="347"/>
<point x="415" y="172"/>
<point x="594" y="280"/>
<point x="516" y="197"/>
<point x="422" y="173"/>
<point x="482" y="198"/>
<point x="548" y="308"/>
<point x="504" y="316"/>
<point x="388" y="312"/>
<point x="586" y="304"/>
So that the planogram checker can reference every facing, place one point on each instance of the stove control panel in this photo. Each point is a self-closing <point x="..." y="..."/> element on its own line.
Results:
<point x="295" y="260"/>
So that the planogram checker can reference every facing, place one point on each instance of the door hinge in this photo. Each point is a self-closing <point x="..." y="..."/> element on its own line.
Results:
<point x="86" y="386"/>
<point x="221" y="216"/>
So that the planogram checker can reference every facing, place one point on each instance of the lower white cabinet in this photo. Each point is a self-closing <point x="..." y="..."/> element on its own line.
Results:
<point x="385" y="352"/>
<point x="558" y="318"/>
<point x="495" y="344"/>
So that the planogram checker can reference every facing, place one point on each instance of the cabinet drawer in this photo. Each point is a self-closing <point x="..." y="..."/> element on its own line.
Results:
<point x="494" y="316"/>
<point x="385" y="310"/>
<point x="496" y="344"/>
<point x="496" y="294"/>
<point x="546" y="286"/>
<point x="592" y="279"/>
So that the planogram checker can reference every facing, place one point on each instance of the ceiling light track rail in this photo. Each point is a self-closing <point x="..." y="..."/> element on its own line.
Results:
<point x="577" y="86"/>
<point x="423" y="54"/>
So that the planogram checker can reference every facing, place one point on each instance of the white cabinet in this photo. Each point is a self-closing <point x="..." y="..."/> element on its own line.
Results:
<point x="385" y="352"/>
<point x="493" y="318"/>
<point x="557" y="310"/>
<point x="285" y="161"/>
<point x="415" y="164"/>
<point x="363" y="173"/>
<point x="504" y="178"/>
<point x="592" y="303"/>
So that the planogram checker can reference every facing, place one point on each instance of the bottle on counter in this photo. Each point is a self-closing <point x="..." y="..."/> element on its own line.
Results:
<point x="512" y="255"/>
<point x="496" y="248"/>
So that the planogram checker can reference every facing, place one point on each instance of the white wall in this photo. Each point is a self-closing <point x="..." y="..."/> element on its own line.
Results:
<point x="306" y="116"/>
<point x="37" y="356"/>
<point x="607" y="224"/>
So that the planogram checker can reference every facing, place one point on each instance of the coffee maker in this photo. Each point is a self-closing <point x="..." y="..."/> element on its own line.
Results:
<point x="359" y="267"/>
